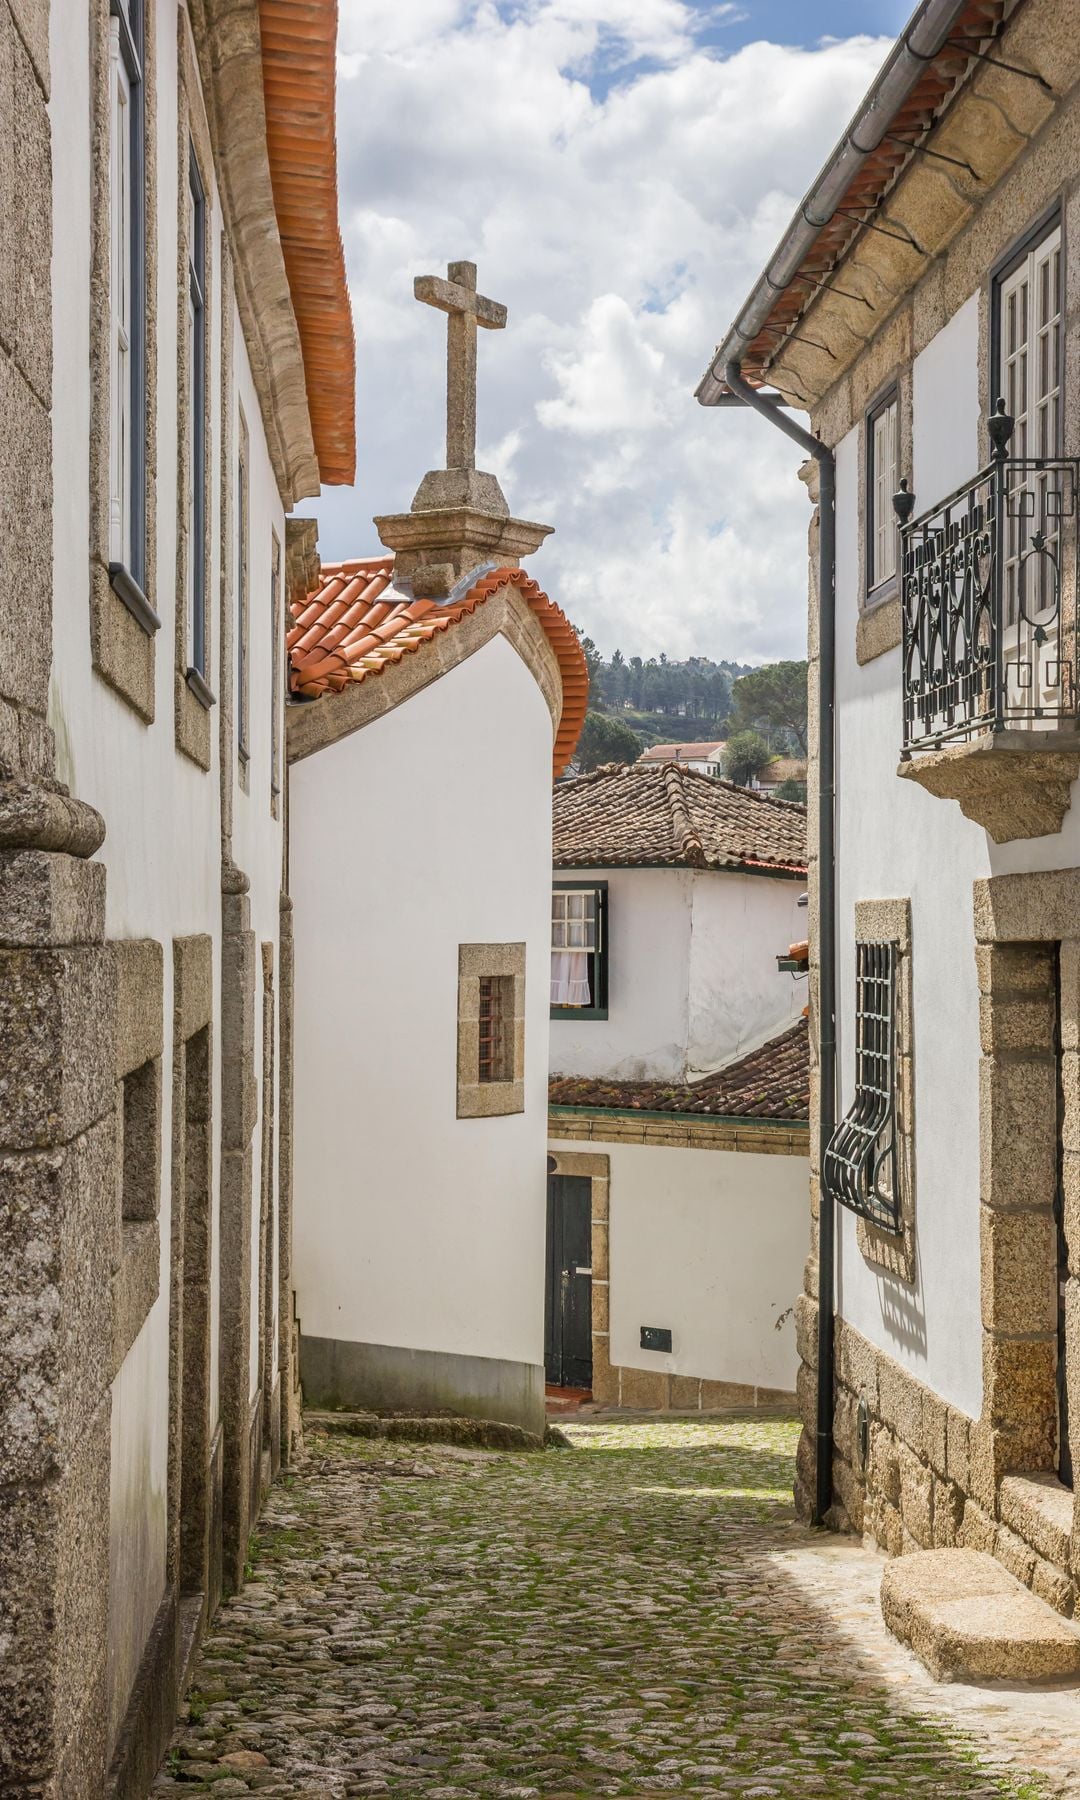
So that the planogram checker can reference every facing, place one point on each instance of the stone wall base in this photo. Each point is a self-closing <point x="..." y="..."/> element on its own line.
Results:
<point x="386" y="1378"/>
<point x="914" y="1473"/>
<point x="655" y="1390"/>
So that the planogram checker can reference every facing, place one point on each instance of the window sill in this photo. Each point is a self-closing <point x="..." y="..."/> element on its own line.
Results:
<point x="881" y="595"/>
<point x="127" y="589"/>
<point x="197" y="685"/>
<point x="579" y="1012"/>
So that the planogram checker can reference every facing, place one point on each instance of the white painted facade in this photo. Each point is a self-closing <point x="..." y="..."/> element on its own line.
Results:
<point x="692" y="976"/>
<point x="163" y="847"/>
<point x="896" y="840"/>
<point x="710" y="1243"/>
<point x="416" y="1229"/>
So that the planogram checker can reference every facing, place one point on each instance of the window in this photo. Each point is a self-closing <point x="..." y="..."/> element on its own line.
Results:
<point x="275" y="673"/>
<point x="1026" y="338"/>
<point x="579" y="950"/>
<point x="196" y="443"/>
<point x="491" y="1030"/>
<point x="243" y="508"/>
<point x="860" y="1165"/>
<point x="495" y="1058"/>
<point x="127" y="311"/>
<point x="882" y="475"/>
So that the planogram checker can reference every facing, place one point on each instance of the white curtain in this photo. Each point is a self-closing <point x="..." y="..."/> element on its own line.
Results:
<point x="570" y="978"/>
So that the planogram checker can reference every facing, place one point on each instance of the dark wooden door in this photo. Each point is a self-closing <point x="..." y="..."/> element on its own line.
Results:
<point x="568" y="1313"/>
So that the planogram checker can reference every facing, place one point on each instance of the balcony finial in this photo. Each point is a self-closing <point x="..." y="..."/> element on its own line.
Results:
<point x="903" y="503"/>
<point x="1000" y="426"/>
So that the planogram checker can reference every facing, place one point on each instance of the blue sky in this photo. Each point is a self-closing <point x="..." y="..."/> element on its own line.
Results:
<point x="620" y="170"/>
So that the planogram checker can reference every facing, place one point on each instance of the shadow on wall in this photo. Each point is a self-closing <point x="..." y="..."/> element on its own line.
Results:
<point x="902" y="1315"/>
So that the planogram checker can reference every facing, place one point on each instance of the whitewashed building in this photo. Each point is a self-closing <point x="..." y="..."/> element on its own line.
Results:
<point x="177" y="364"/>
<point x="435" y="692"/>
<point x="940" y="1326"/>
<point x="678" y="1099"/>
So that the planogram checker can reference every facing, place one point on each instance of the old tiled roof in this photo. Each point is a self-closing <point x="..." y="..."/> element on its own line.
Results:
<point x="680" y="752"/>
<point x="356" y="624"/>
<point x="773" y="1082"/>
<point x="900" y="138"/>
<point x="299" y="41"/>
<point x="783" y="768"/>
<point x="646" y="814"/>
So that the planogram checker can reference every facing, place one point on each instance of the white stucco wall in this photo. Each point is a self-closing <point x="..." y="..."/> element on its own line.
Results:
<point x="428" y="828"/>
<point x="738" y="998"/>
<point x="163" y="841"/>
<point x="644" y="1036"/>
<point x="692" y="976"/>
<point x="895" y="840"/>
<point x="710" y="1243"/>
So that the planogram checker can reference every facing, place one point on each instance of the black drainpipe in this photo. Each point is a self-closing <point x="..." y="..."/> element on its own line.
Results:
<point x="826" y="1007"/>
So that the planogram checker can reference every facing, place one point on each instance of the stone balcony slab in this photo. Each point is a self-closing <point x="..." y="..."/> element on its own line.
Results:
<point x="1016" y="784"/>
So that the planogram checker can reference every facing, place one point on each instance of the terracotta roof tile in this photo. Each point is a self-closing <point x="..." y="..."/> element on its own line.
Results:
<point x="356" y="624"/>
<point x="644" y="814"/>
<point x="773" y="1082"/>
<point x="681" y="752"/>
<point x="299" y="42"/>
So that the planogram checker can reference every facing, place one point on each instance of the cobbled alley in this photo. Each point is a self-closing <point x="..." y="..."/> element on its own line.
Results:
<point x="636" y="1614"/>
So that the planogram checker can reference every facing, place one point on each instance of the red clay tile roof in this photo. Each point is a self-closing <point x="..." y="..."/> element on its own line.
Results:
<point x="680" y="752"/>
<point x="646" y="814"/>
<point x="299" y="41"/>
<point x="773" y="1082"/>
<point x="900" y="139"/>
<point x="356" y="624"/>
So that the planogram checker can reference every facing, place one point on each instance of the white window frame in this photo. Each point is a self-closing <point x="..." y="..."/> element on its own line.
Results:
<point x="1028" y="375"/>
<point x="243" y="592"/>
<point x="196" y="444"/>
<point x="120" y="385"/>
<point x="882" y="477"/>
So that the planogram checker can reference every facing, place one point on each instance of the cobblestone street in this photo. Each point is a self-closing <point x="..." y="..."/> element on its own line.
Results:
<point x="636" y="1615"/>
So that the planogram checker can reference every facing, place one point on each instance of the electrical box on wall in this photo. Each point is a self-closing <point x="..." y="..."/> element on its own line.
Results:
<point x="655" y="1337"/>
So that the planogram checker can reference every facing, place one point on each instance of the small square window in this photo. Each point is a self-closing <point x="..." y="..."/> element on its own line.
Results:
<point x="491" y="1030"/>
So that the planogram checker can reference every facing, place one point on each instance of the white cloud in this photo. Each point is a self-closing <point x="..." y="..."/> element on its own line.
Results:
<point x="619" y="187"/>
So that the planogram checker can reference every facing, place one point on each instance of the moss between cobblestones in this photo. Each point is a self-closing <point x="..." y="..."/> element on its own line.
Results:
<point x="447" y="1623"/>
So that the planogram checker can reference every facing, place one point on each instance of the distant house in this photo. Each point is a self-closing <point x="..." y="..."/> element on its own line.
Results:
<point x="678" y="1137"/>
<point x="703" y="759"/>
<point x="781" y="769"/>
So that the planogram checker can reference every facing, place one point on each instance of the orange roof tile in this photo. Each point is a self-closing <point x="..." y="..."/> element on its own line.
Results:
<point x="356" y="624"/>
<point x="299" y="41"/>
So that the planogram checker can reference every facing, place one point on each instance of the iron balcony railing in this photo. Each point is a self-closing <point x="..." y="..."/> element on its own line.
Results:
<point x="989" y="582"/>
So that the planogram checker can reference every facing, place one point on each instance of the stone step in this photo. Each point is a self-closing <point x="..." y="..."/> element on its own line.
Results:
<point x="968" y="1619"/>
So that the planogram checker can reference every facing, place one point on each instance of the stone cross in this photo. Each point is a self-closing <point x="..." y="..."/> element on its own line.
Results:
<point x="467" y="309"/>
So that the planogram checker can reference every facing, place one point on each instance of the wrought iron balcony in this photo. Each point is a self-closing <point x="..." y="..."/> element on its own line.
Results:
<point x="988" y="592"/>
<point x="989" y="606"/>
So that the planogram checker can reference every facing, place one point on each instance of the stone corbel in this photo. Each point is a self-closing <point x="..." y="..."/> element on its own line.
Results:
<point x="1015" y="784"/>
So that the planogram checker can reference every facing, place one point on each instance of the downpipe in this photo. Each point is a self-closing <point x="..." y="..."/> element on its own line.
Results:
<point x="826" y="1004"/>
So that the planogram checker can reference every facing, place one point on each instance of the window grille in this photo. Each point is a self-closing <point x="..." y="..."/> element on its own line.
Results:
<point x="496" y="1028"/>
<point x="860" y="1167"/>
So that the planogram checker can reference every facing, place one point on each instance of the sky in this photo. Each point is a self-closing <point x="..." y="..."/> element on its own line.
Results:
<point x="620" y="171"/>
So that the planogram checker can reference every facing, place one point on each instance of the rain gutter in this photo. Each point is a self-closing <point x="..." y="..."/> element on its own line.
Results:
<point x="826" y="947"/>
<point x="923" y="39"/>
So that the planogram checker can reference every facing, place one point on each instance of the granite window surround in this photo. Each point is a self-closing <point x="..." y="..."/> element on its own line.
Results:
<point x="123" y="351"/>
<point x="878" y="626"/>
<point x="490" y="1094"/>
<point x="194" y="696"/>
<point x="139" y="975"/>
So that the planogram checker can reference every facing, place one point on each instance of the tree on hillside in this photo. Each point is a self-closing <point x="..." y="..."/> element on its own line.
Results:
<point x="605" y="740"/>
<point x="773" y="697"/>
<point x="594" y="662"/>
<point x="745" y="755"/>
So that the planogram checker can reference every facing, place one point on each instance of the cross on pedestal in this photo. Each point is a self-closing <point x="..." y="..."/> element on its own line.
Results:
<point x="466" y="309"/>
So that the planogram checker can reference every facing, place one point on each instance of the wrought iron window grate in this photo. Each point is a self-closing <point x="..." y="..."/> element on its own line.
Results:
<point x="860" y="1167"/>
